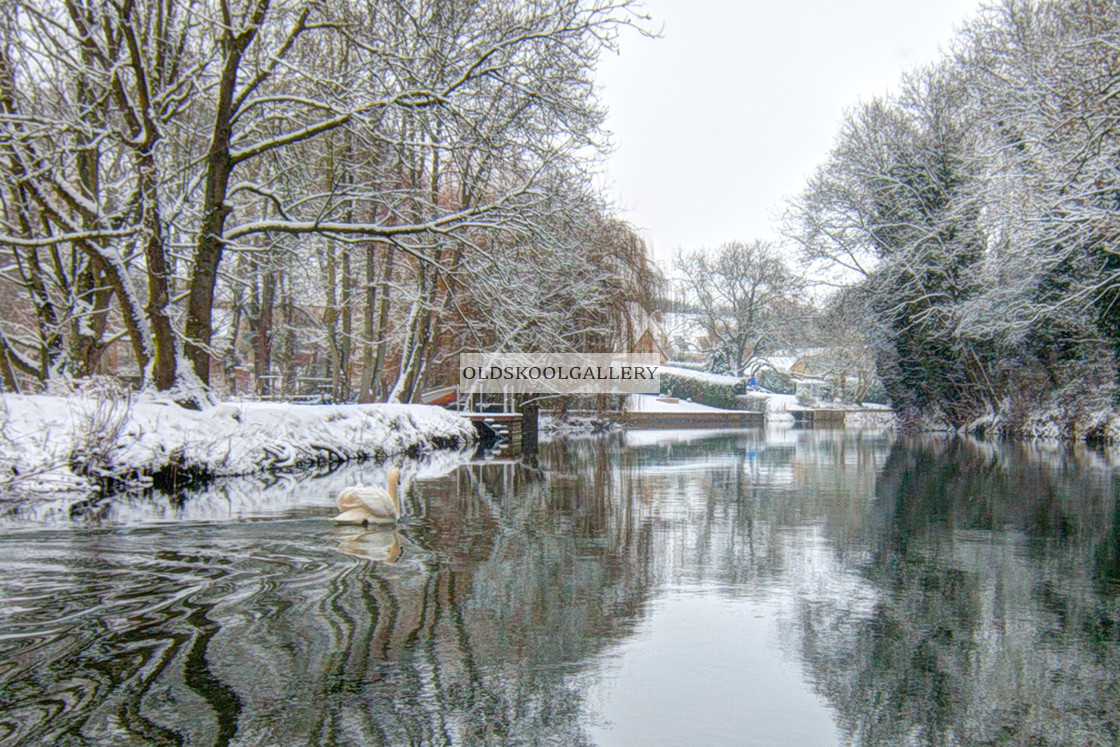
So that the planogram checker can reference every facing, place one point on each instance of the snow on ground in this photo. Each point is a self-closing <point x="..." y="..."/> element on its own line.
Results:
<point x="711" y="378"/>
<point x="246" y="497"/>
<point x="44" y="440"/>
<point x="651" y="403"/>
<point x="871" y="417"/>
<point x="778" y="409"/>
<point x="776" y="406"/>
<point x="776" y="403"/>
<point x="1052" y="422"/>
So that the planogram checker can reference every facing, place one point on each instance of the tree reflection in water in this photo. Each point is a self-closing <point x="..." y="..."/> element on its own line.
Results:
<point x="932" y="592"/>
<point x="991" y="624"/>
<point x="505" y="581"/>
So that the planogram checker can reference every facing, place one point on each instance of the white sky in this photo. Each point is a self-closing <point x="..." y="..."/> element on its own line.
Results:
<point x="731" y="110"/>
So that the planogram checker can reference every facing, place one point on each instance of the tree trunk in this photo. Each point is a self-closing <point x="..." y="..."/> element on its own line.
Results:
<point x="383" y="319"/>
<point x="262" y="360"/>
<point x="365" y="392"/>
<point x="50" y="338"/>
<point x="91" y="293"/>
<point x="163" y="363"/>
<point x="229" y="357"/>
<point x="346" y="343"/>
<point x="11" y="383"/>
<point x="412" y="344"/>
<point x="215" y="209"/>
<point x="330" y="320"/>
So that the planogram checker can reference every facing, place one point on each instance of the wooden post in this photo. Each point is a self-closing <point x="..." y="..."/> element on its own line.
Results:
<point x="529" y="414"/>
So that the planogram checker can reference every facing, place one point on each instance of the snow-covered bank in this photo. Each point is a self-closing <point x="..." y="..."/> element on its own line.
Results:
<point x="53" y="445"/>
<point x="1095" y="425"/>
<point x="1090" y="417"/>
<point x="281" y="495"/>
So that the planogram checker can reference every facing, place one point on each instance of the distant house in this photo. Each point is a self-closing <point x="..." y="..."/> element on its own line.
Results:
<point x="806" y="376"/>
<point x="645" y="332"/>
<point x="683" y="337"/>
<point x="808" y="381"/>
<point x="824" y="373"/>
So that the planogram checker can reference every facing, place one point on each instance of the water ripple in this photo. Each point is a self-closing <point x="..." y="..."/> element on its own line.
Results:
<point x="745" y="568"/>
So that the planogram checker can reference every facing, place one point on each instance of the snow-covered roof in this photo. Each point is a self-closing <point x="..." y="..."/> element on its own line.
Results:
<point x="780" y="363"/>
<point x="784" y="363"/>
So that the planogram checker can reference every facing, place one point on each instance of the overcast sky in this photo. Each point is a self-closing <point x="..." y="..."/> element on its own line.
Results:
<point x="719" y="120"/>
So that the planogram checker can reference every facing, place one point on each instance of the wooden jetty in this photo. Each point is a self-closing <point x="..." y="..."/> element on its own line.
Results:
<point x="498" y="427"/>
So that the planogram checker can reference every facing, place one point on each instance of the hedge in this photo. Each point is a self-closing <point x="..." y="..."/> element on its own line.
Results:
<point x="701" y="390"/>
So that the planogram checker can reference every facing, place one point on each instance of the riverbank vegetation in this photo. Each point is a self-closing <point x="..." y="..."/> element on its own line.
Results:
<point x="102" y="438"/>
<point x="332" y="200"/>
<point x="295" y="197"/>
<point x="974" y="216"/>
<point x="968" y="226"/>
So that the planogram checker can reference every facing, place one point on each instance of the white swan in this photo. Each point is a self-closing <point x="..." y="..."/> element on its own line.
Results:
<point x="363" y="505"/>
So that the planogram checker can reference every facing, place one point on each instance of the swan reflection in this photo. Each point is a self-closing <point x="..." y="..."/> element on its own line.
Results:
<point x="382" y="544"/>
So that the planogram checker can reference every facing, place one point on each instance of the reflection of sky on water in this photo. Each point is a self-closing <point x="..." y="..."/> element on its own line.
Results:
<point x="798" y="587"/>
<point x="706" y="668"/>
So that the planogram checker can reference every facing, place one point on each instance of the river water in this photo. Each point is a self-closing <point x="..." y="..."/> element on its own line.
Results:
<point x="748" y="588"/>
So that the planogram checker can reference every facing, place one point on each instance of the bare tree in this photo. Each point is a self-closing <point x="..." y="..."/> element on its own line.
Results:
<point x="976" y="209"/>
<point x="155" y="138"/>
<point x="741" y="295"/>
